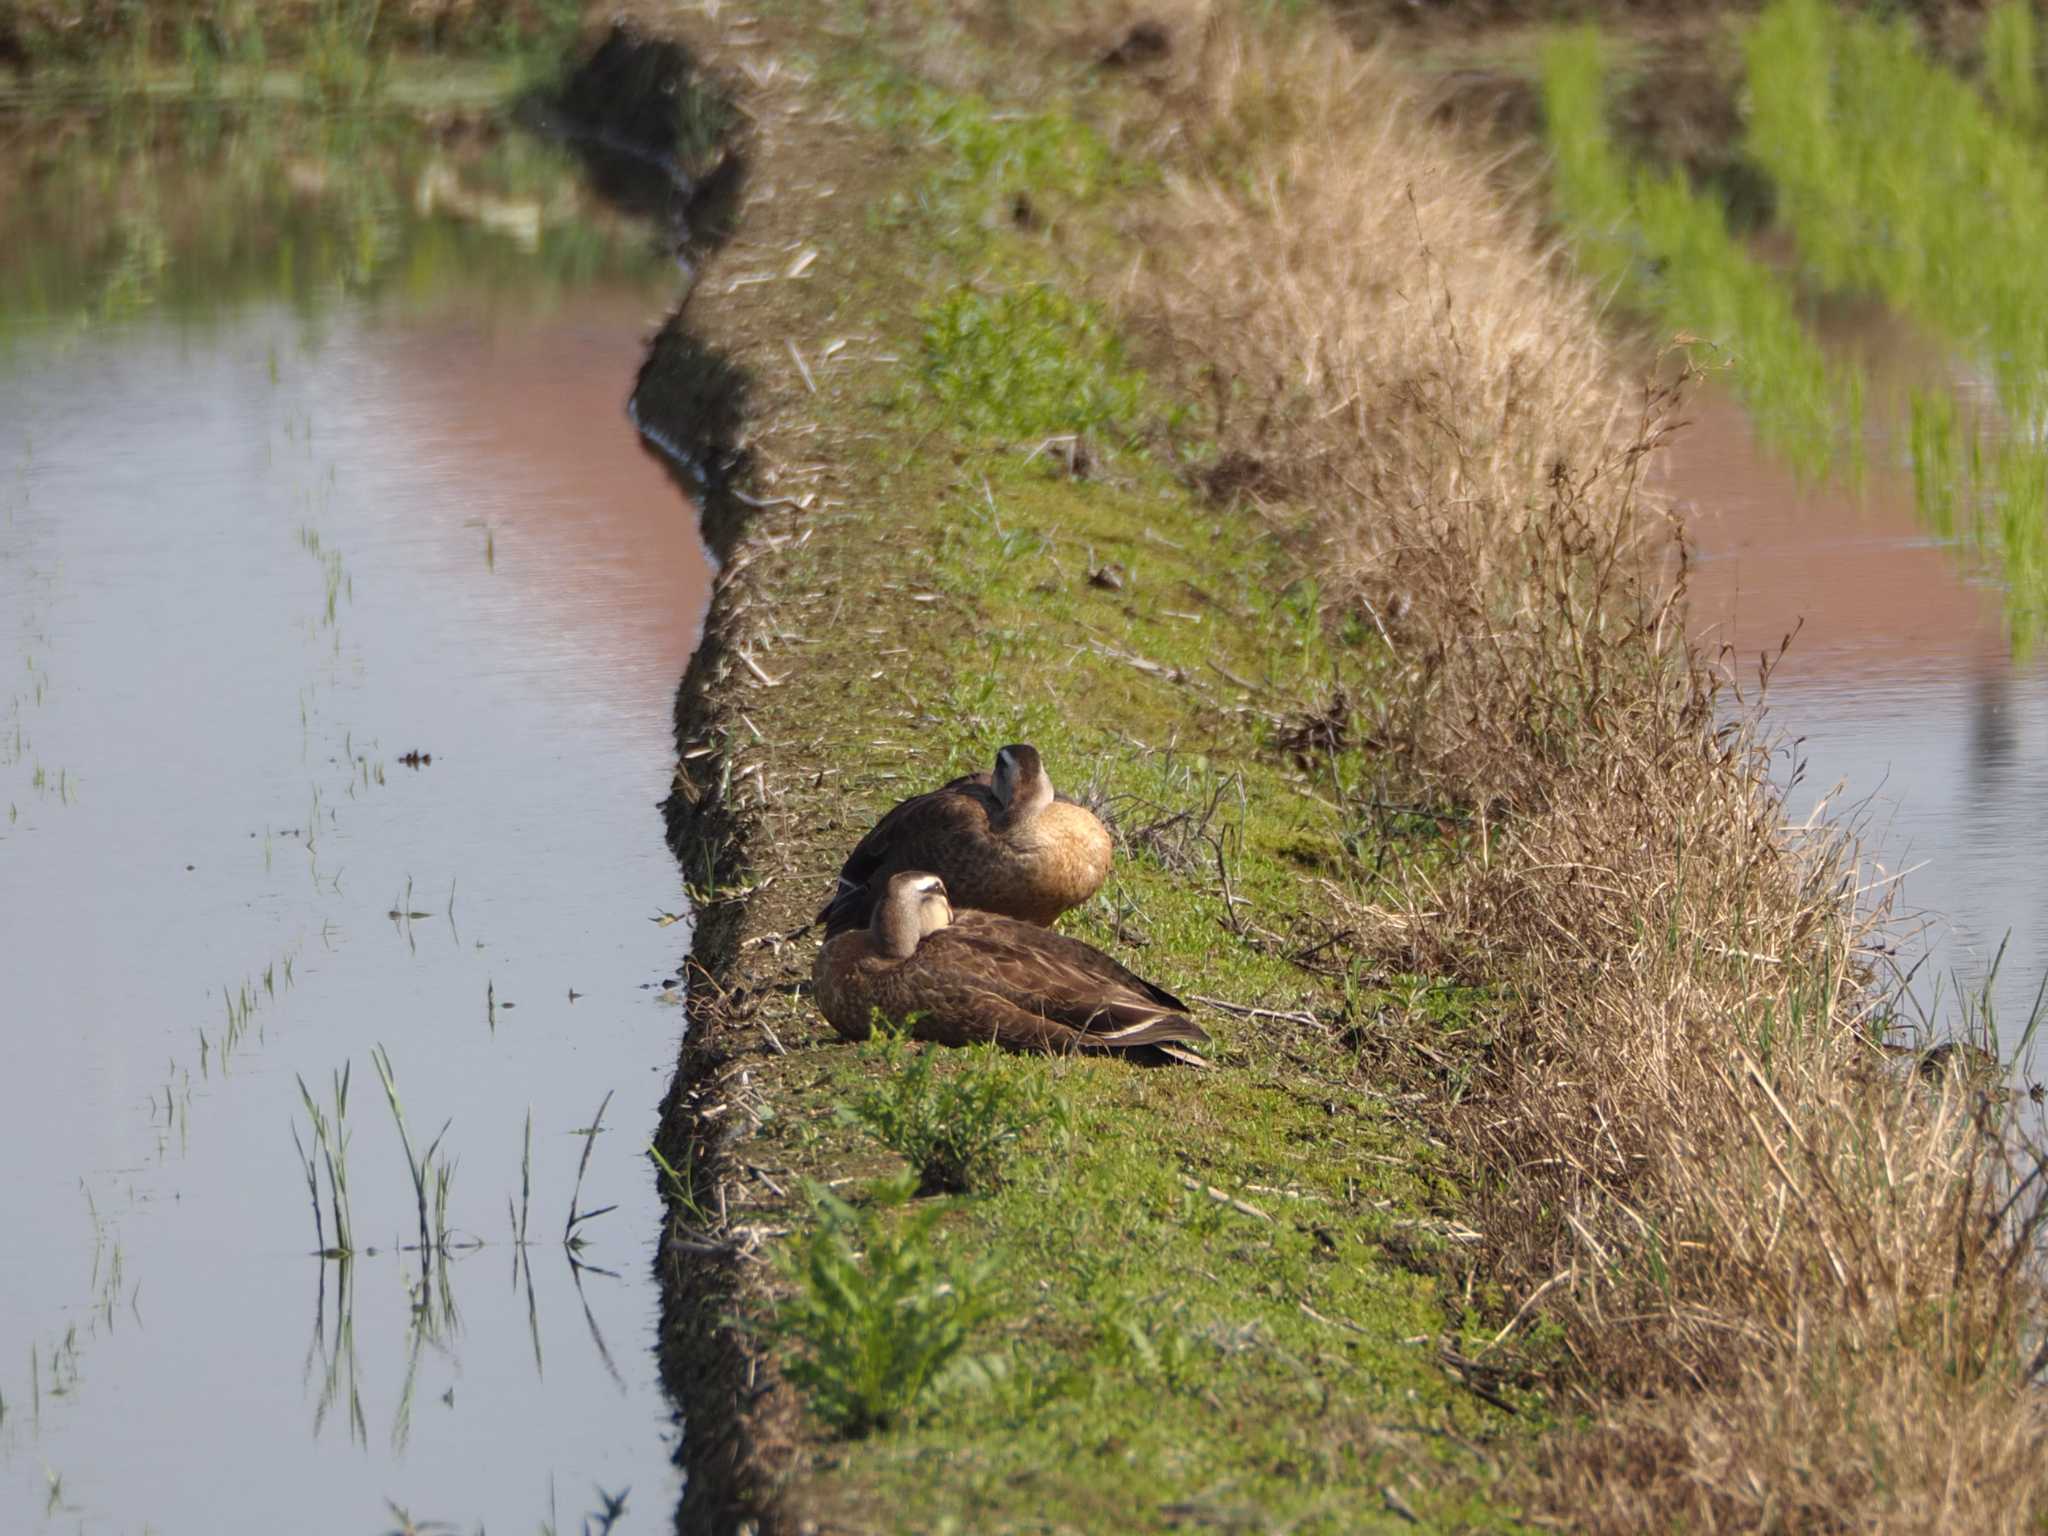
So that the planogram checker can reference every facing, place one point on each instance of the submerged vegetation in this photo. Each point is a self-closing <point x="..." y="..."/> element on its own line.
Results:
<point x="1554" y="1165"/>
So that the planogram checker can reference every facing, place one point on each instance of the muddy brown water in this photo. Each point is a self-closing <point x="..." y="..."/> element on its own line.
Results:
<point x="247" y="565"/>
<point x="1900" y="705"/>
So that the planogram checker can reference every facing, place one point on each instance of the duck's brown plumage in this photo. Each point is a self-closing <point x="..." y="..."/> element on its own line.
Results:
<point x="1003" y="842"/>
<point x="960" y="977"/>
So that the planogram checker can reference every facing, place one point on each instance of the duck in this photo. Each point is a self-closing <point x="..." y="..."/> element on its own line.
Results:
<point x="1003" y="842"/>
<point x="961" y="976"/>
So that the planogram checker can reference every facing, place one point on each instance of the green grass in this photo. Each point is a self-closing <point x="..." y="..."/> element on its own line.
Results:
<point x="959" y="1130"/>
<point x="1022" y="166"/>
<point x="1027" y="362"/>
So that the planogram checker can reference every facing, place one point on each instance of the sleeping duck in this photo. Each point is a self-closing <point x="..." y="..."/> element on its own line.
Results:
<point x="1002" y="842"/>
<point x="963" y="977"/>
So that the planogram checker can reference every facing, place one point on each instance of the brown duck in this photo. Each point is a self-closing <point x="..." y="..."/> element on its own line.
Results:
<point x="960" y="978"/>
<point x="1002" y="842"/>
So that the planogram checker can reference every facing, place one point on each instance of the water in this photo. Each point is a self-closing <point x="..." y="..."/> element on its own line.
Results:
<point x="1900" y="701"/>
<point x="354" y="484"/>
<point x="1883" y="334"/>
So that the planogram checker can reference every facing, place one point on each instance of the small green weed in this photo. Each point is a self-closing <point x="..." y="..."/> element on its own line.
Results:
<point x="1027" y="362"/>
<point x="877" y="1314"/>
<point x="330" y="1147"/>
<point x="431" y="1173"/>
<point x="960" y="1131"/>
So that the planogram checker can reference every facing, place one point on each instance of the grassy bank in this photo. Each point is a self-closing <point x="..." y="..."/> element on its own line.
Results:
<point x="1160" y="1238"/>
<point x="1202" y="415"/>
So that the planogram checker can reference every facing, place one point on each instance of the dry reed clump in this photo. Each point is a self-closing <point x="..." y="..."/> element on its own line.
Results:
<point x="1795" y="1292"/>
<point x="1385" y="344"/>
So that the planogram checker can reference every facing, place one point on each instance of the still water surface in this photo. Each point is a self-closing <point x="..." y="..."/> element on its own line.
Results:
<point x="1900" y="703"/>
<point x="248" y="563"/>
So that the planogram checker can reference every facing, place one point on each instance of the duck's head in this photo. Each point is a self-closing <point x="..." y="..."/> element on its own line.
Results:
<point x="913" y="904"/>
<point x="1020" y="781"/>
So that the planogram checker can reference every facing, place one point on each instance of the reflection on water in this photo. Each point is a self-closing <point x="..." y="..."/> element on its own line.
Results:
<point x="1899" y="696"/>
<point x="1886" y="335"/>
<point x="194" y="214"/>
<point x="341" y="635"/>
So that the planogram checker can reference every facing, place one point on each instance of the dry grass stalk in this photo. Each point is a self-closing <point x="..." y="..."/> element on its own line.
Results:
<point x="1796" y="1290"/>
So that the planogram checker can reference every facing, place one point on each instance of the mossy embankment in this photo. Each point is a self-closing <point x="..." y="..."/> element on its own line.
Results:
<point x="1059" y="386"/>
<point x="965" y="520"/>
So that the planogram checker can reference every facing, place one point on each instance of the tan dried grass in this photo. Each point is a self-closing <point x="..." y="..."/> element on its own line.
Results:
<point x="1795" y="1291"/>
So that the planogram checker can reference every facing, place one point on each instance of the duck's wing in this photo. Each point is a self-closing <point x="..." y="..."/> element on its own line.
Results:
<point x="962" y="1015"/>
<point x="1054" y="977"/>
<point x="913" y="830"/>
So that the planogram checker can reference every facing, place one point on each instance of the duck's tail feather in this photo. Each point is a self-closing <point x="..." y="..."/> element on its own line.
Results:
<point x="1159" y="1029"/>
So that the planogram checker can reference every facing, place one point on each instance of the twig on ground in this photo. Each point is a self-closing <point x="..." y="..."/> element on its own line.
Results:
<point x="1224" y="1197"/>
<point x="1250" y="1012"/>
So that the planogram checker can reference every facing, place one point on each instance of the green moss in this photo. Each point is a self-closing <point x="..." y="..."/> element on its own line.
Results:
<point x="1219" y="1295"/>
